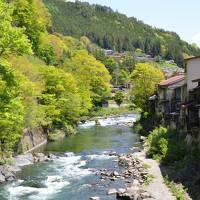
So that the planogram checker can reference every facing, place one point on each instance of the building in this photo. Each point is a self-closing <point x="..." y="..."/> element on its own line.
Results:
<point x="169" y="99"/>
<point x="178" y="102"/>
<point x="190" y="112"/>
<point x="192" y="68"/>
<point x="108" y="52"/>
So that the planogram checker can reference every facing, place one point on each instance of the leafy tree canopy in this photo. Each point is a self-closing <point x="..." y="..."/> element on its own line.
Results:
<point x="144" y="78"/>
<point x="12" y="38"/>
<point x="119" y="97"/>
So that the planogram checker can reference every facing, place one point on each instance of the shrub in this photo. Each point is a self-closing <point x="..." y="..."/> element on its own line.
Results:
<point x="55" y="135"/>
<point x="69" y="130"/>
<point x="119" y="97"/>
<point x="165" y="146"/>
<point x="137" y="128"/>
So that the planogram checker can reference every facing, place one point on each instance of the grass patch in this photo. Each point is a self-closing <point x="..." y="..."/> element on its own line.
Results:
<point x="146" y="166"/>
<point x="148" y="179"/>
<point x="176" y="189"/>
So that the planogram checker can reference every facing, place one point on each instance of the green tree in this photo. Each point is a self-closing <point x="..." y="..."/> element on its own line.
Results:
<point x="46" y="53"/>
<point x="110" y="64"/>
<point x="119" y="97"/>
<point x="92" y="77"/>
<point x="11" y="111"/>
<point x="128" y="63"/>
<point x="34" y="17"/>
<point x="60" y="98"/>
<point x="144" y="79"/>
<point x="12" y="39"/>
<point x="123" y="77"/>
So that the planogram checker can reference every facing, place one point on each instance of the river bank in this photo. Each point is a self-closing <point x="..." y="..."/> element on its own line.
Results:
<point x="103" y="162"/>
<point x="143" y="178"/>
<point x="9" y="172"/>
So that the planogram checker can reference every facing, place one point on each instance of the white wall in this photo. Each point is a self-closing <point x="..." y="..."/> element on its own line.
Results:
<point x="193" y="72"/>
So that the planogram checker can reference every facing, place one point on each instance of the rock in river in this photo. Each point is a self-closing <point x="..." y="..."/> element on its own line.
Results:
<point x="2" y="178"/>
<point x="112" y="191"/>
<point x="94" y="198"/>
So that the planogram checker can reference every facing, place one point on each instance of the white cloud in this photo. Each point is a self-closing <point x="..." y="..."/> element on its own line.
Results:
<point x="196" y="39"/>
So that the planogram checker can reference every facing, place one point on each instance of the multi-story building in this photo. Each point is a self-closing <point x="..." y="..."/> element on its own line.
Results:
<point x="169" y="98"/>
<point x="190" y="112"/>
<point x="178" y="101"/>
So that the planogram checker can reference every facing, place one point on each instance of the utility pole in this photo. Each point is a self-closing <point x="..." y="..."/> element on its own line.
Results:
<point x="117" y="74"/>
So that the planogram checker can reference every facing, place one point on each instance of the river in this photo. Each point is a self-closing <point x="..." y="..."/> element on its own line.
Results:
<point x="72" y="176"/>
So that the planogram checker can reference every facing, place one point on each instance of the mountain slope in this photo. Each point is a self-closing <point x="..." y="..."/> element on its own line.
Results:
<point x="112" y="30"/>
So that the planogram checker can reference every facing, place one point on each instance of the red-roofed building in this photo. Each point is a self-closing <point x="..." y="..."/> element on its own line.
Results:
<point x="178" y="102"/>
<point x="172" y="80"/>
<point x="170" y="94"/>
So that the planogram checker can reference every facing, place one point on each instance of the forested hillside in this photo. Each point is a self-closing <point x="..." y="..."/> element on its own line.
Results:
<point x="46" y="80"/>
<point x="112" y="30"/>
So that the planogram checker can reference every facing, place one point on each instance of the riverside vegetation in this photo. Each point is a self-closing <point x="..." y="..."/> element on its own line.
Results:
<point x="46" y="80"/>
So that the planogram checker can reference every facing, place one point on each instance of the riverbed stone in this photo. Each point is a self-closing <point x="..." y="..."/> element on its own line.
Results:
<point x="113" y="178"/>
<point x="24" y="159"/>
<point x="5" y="171"/>
<point x="145" y="195"/>
<point x="135" y="182"/>
<point x="121" y="190"/>
<point x="115" y="173"/>
<point x="125" y="196"/>
<point x="40" y="157"/>
<point x="2" y="178"/>
<point x="112" y="191"/>
<point x="94" y="198"/>
<point x="52" y="156"/>
<point x="12" y="168"/>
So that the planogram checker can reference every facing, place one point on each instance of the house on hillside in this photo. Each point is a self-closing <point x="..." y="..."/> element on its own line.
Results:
<point x="169" y="98"/>
<point x="108" y="52"/>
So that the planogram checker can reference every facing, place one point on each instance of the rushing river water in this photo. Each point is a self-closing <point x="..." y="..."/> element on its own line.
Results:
<point x="72" y="175"/>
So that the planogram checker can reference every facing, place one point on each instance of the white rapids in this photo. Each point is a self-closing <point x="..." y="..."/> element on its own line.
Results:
<point x="120" y="120"/>
<point x="66" y="168"/>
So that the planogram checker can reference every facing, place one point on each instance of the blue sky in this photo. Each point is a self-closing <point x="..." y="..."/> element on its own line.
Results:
<point x="181" y="16"/>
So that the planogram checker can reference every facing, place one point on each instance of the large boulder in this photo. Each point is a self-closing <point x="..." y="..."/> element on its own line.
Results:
<point x="24" y="159"/>
<point x="2" y="178"/>
<point x="6" y="174"/>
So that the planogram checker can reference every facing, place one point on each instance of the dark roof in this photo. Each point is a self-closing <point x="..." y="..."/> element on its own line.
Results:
<point x="191" y="58"/>
<point x="172" y="80"/>
<point x="196" y="80"/>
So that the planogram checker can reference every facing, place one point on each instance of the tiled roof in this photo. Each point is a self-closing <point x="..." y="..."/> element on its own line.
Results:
<point x="172" y="80"/>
